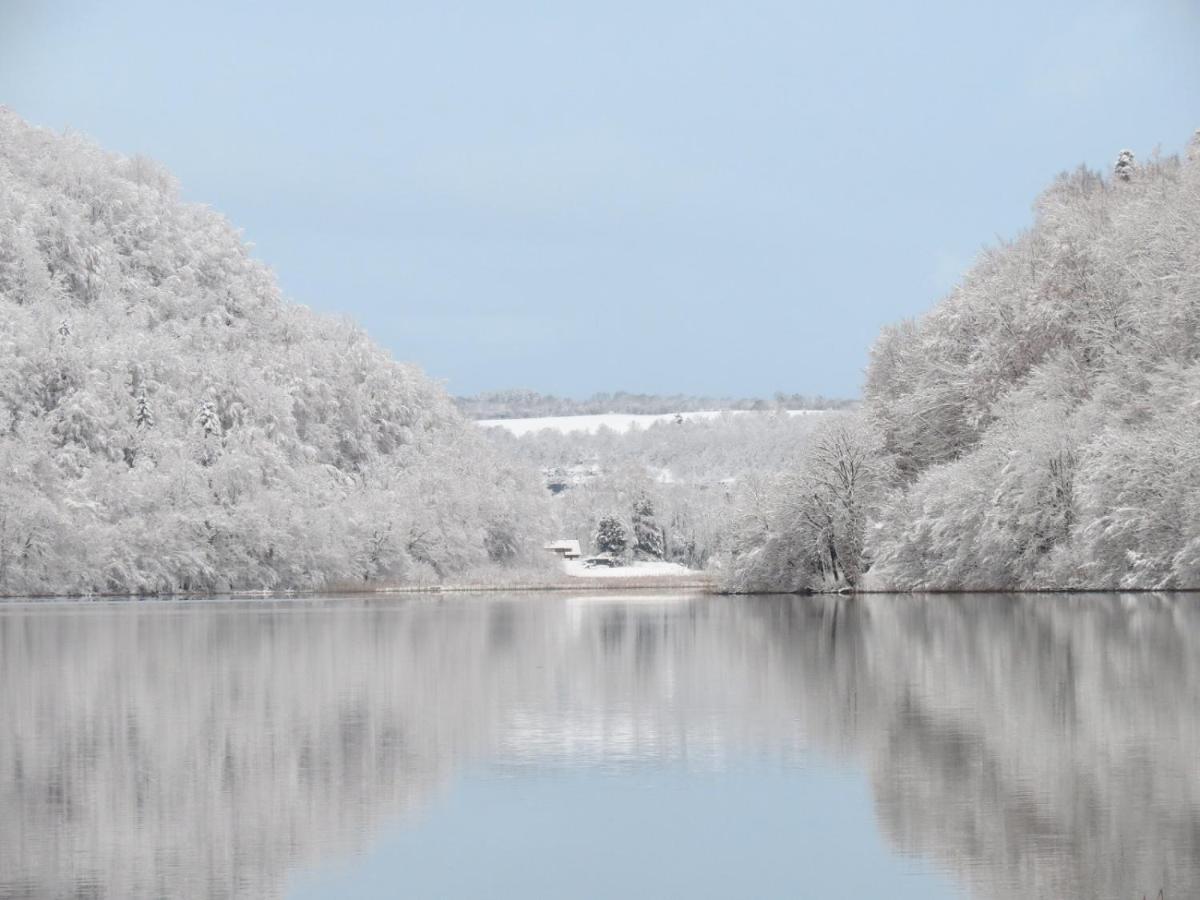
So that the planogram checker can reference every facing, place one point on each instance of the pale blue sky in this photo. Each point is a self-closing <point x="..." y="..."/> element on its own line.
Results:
<point x="722" y="197"/>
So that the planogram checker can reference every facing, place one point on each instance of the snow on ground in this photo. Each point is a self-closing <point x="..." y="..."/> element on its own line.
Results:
<point x="640" y="569"/>
<point x="619" y="422"/>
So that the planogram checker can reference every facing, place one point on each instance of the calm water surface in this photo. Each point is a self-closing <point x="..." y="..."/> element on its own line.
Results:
<point x="551" y="746"/>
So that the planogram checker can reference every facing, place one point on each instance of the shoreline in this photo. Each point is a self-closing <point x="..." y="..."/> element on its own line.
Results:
<point x="649" y="583"/>
<point x="702" y="586"/>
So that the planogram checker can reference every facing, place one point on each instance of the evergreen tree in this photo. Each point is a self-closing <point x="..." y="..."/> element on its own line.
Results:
<point x="648" y="539"/>
<point x="207" y="420"/>
<point x="1125" y="165"/>
<point x="610" y="536"/>
<point x="143" y="417"/>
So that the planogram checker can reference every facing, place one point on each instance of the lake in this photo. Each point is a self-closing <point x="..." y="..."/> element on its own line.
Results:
<point x="602" y="746"/>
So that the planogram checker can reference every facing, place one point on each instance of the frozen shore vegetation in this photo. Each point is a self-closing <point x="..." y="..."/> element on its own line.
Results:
<point x="168" y="421"/>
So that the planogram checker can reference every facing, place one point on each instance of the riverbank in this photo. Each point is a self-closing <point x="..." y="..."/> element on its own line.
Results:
<point x="609" y="580"/>
<point x="691" y="584"/>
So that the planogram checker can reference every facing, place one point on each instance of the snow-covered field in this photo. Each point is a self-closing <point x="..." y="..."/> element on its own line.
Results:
<point x="619" y="422"/>
<point x="577" y="569"/>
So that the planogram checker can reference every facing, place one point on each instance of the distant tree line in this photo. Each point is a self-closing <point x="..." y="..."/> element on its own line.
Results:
<point x="523" y="404"/>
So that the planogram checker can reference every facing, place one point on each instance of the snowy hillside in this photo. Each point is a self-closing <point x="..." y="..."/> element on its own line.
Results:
<point x="1043" y="415"/>
<point x="168" y="422"/>
<point x="1036" y="429"/>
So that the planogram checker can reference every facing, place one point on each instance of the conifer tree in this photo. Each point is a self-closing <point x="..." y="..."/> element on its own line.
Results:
<point x="207" y="420"/>
<point x="647" y="535"/>
<point x="610" y="536"/>
<point x="143" y="417"/>
<point x="1125" y="165"/>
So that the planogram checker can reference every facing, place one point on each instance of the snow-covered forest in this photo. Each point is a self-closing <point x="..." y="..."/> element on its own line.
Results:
<point x="1044" y="416"/>
<point x="672" y="486"/>
<point x="168" y="421"/>
<point x="1037" y="429"/>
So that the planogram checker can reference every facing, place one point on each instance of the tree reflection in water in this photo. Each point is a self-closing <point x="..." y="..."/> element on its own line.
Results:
<point x="1032" y="746"/>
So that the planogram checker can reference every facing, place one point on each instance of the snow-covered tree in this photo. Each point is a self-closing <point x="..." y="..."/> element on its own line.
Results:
<point x="1125" y="165"/>
<point x="806" y="528"/>
<point x="647" y="534"/>
<point x="207" y="420"/>
<point x="143" y="416"/>
<point x="610" y="536"/>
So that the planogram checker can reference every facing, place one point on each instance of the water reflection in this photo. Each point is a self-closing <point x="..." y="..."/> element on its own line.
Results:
<point x="1034" y="747"/>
